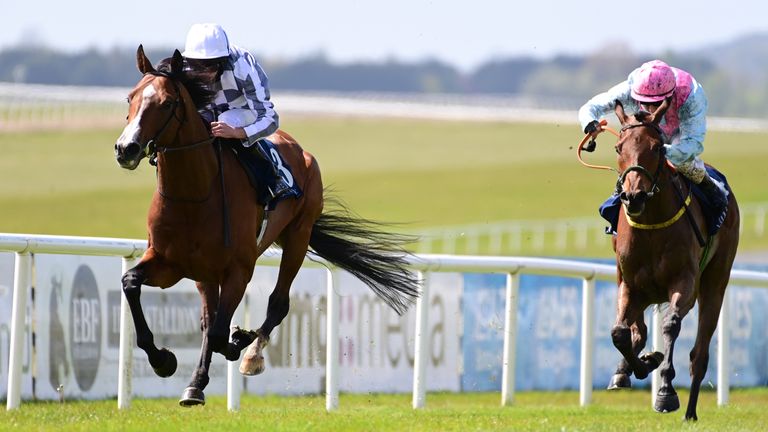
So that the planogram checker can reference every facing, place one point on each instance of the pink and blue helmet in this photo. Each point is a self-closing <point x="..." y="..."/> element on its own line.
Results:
<point x="654" y="81"/>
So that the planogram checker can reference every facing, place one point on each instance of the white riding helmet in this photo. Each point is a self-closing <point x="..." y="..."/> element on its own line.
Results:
<point x="206" y="41"/>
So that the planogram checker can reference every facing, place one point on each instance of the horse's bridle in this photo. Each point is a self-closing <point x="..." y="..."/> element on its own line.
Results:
<point x="655" y="186"/>
<point x="151" y="149"/>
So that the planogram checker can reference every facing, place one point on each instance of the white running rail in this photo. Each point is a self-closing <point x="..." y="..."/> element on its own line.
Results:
<point x="23" y="245"/>
<point x="554" y="235"/>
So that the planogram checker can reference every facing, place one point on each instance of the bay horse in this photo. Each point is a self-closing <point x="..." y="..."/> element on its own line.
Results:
<point x="204" y="224"/>
<point x="660" y="259"/>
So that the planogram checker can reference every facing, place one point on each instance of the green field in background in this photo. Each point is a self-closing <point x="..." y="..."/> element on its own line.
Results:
<point x="420" y="173"/>
<point x="539" y="411"/>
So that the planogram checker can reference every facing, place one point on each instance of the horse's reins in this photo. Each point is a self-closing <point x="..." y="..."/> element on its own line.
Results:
<point x="655" y="187"/>
<point x="603" y="124"/>
<point x="151" y="151"/>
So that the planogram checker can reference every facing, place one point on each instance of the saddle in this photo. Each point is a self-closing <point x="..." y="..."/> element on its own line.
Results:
<point x="609" y="210"/>
<point x="261" y="173"/>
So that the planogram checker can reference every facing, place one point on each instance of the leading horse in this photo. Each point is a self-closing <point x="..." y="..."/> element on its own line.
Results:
<point x="204" y="224"/>
<point x="660" y="259"/>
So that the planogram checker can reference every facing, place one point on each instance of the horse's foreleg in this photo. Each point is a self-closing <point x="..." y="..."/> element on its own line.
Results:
<point x="295" y="243"/>
<point x="629" y="313"/>
<point x="150" y="271"/>
<point x="621" y="378"/>
<point x="667" y="399"/>
<point x="193" y="394"/>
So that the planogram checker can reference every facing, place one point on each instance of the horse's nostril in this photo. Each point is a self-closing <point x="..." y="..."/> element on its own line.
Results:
<point x="132" y="149"/>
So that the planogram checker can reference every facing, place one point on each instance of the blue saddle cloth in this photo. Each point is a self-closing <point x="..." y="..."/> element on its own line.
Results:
<point x="609" y="210"/>
<point x="261" y="172"/>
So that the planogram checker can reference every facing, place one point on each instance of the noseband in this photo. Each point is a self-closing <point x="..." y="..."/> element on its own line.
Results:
<point x="151" y="149"/>
<point x="654" y="178"/>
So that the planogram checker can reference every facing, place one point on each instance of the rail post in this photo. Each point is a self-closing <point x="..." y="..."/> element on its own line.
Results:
<point x="723" y="359"/>
<point x="587" y="341"/>
<point x="332" y="343"/>
<point x="21" y="281"/>
<point x="422" y="345"/>
<point x="510" y="339"/>
<point x="234" y="379"/>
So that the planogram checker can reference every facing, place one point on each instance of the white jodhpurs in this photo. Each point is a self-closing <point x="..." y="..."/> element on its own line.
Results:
<point x="693" y="169"/>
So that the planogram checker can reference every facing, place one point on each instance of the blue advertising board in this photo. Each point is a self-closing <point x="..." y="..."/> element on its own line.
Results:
<point x="549" y="335"/>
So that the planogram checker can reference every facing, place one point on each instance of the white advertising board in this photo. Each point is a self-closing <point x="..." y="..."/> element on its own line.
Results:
<point x="376" y="345"/>
<point x="76" y="310"/>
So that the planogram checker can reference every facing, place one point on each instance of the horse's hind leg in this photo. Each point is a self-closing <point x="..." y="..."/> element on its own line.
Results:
<point x="711" y="293"/>
<point x="232" y="291"/>
<point x="153" y="271"/>
<point x="295" y="241"/>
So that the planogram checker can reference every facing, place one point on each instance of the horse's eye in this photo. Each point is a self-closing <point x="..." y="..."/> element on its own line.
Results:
<point x="167" y="104"/>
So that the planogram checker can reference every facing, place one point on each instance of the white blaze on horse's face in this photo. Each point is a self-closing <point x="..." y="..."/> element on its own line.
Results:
<point x="128" y="148"/>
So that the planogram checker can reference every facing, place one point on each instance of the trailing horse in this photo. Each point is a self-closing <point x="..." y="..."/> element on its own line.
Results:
<point x="205" y="222"/>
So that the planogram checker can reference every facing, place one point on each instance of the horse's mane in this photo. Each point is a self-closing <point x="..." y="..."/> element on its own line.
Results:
<point x="196" y="83"/>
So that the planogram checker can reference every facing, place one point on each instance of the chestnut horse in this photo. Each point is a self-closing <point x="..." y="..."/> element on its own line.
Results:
<point x="660" y="259"/>
<point x="204" y="224"/>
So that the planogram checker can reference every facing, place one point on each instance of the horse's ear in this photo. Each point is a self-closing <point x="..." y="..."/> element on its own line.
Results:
<point x="142" y="62"/>
<point x="620" y="112"/>
<point x="177" y="62"/>
<point x="658" y="114"/>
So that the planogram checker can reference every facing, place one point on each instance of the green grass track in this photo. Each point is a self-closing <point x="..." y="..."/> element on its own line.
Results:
<point x="532" y="411"/>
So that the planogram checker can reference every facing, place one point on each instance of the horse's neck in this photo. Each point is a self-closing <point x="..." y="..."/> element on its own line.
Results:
<point x="188" y="174"/>
<point x="672" y="194"/>
<point x="665" y="204"/>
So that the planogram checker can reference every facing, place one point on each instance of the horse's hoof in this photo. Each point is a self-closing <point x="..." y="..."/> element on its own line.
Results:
<point x="666" y="403"/>
<point x="652" y="360"/>
<point x="242" y="338"/>
<point x="167" y="364"/>
<point x="620" y="381"/>
<point x="253" y="360"/>
<point x="192" y="396"/>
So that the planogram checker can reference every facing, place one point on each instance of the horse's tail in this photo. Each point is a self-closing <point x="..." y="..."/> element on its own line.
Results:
<point x="374" y="256"/>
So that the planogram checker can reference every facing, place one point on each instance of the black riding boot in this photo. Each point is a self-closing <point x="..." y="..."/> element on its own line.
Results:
<point x="278" y="184"/>
<point x="716" y="195"/>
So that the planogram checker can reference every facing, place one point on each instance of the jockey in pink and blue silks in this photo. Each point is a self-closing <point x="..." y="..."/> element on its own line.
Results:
<point x="684" y="125"/>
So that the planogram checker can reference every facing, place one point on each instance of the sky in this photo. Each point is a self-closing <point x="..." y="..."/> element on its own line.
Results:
<point x="462" y="33"/>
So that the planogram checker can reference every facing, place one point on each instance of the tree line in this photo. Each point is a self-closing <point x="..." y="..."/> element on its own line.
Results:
<point x="735" y="88"/>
